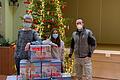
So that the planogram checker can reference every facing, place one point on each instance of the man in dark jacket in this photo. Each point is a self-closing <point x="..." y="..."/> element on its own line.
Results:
<point x="26" y="36"/>
<point x="83" y="44"/>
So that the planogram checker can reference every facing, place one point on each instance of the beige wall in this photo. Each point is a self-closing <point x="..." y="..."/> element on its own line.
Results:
<point x="6" y="20"/>
<point x="89" y="10"/>
<point x="110" y="21"/>
<point x="2" y="19"/>
<point x="18" y="12"/>
<point x="10" y="19"/>
<point x="102" y="16"/>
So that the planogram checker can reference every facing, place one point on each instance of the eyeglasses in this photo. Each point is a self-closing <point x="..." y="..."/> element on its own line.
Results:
<point x="28" y="20"/>
<point x="79" y="23"/>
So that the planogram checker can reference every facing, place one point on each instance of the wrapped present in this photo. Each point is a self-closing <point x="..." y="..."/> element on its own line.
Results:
<point x="51" y="68"/>
<point x="56" y="67"/>
<point x="46" y="69"/>
<point x="64" y="76"/>
<point x="43" y="79"/>
<point x="40" y="52"/>
<point x="36" y="69"/>
<point x="25" y="69"/>
<point x="15" y="77"/>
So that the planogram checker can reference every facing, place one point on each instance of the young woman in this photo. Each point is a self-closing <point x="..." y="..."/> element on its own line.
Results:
<point x="57" y="45"/>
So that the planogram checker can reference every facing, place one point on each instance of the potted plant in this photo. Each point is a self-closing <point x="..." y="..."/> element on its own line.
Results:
<point x="6" y="57"/>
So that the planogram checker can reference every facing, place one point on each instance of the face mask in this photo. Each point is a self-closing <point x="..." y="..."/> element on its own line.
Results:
<point x="27" y="25"/>
<point x="55" y="36"/>
<point x="79" y="26"/>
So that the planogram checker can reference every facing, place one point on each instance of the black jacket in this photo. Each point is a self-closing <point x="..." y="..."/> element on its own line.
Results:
<point x="83" y="43"/>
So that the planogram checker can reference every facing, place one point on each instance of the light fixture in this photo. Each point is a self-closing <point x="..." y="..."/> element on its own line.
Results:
<point x="0" y="4"/>
<point x="13" y="3"/>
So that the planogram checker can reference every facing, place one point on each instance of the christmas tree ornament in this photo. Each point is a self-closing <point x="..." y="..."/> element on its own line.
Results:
<point x="27" y="1"/>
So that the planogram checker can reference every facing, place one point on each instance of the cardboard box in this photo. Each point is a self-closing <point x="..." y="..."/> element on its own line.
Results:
<point x="25" y="69"/>
<point x="15" y="77"/>
<point x="56" y="68"/>
<point x="51" y="68"/>
<point x="36" y="69"/>
<point x="40" y="52"/>
<point x="46" y="69"/>
<point x="43" y="79"/>
<point x="64" y="76"/>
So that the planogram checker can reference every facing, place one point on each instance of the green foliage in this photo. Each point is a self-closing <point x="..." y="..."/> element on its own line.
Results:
<point x="67" y="42"/>
<point x="4" y="42"/>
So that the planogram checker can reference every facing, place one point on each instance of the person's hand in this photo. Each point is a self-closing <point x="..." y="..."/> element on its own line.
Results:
<point x="27" y="46"/>
<point x="70" y="55"/>
<point x="53" y="44"/>
<point x="87" y="58"/>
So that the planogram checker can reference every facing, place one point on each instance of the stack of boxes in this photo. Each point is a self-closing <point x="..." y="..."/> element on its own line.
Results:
<point x="25" y="69"/>
<point x="42" y="66"/>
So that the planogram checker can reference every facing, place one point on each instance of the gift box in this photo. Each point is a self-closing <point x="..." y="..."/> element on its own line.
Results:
<point x="46" y="69"/>
<point x="25" y="69"/>
<point x="56" y="67"/>
<point x="64" y="76"/>
<point x="40" y="52"/>
<point x="51" y="68"/>
<point x="36" y="69"/>
<point x="42" y="79"/>
<point x="15" y="77"/>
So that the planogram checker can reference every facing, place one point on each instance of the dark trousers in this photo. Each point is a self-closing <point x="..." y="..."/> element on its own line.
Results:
<point x="17" y="62"/>
<point x="62" y="68"/>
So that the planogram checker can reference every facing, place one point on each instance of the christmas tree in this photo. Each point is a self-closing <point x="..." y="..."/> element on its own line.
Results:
<point x="47" y="14"/>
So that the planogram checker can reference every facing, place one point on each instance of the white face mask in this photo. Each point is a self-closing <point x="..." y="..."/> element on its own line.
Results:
<point x="27" y="25"/>
<point x="55" y="36"/>
<point x="79" y="26"/>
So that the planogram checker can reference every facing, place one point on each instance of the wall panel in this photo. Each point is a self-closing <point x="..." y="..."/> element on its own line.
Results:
<point x="90" y="11"/>
<point x="110" y="21"/>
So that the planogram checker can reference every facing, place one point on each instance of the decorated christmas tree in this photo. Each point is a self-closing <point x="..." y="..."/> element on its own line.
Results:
<point x="48" y="14"/>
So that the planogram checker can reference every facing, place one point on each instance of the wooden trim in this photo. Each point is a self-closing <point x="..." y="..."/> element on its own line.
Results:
<point x="7" y="64"/>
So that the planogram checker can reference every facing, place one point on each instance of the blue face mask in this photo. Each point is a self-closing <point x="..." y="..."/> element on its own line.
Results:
<point x="55" y="36"/>
<point x="27" y="25"/>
